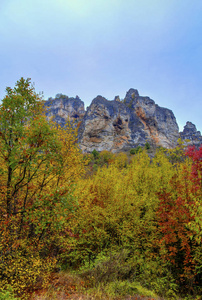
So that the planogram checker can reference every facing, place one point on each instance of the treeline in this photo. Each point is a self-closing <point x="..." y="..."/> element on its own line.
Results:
<point x="128" y="224"/>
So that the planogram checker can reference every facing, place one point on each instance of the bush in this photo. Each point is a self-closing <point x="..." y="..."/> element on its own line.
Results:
<point x="114" y="274"/>
<point x="96" y="154"/>
<point x="7" y="294"/>
<point x="109" y="268"/>
<point x="136" y="150"/>
<point x="107" y="157"/>
<point x="147" y="146"/>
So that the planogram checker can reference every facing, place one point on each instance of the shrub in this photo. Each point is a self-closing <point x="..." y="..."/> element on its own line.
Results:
<point x="109" y="267"/>
<point x="136" y="150"/>
<point x="7" y="294"/>
<point x="147" y="146"/>
<point x="95" y="153"/>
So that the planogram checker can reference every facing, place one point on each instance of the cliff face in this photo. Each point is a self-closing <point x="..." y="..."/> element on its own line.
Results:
<point x="105" y="126"/>
<point x="63" y="108"/>
<point x="118" y="126"/>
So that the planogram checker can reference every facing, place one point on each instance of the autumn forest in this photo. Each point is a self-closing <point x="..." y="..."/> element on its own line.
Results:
<point x="97" y="225"/>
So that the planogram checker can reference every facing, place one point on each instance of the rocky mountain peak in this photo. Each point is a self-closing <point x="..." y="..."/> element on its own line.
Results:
<point x="117" y="98"/>
<point x="190" y="127"/>
<point x="132" y="93"/>
<point x="116" y="125"/>
<point x="120" y="125"/>
<point x="190" y="135"/>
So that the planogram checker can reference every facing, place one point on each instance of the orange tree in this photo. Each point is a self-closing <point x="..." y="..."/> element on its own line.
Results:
<point x="39" y="165"/>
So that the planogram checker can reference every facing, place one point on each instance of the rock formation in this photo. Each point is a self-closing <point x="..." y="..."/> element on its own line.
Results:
<point x="190" y="135"/>
<point x="62" y="108"/>
<point x="120" y="125"/>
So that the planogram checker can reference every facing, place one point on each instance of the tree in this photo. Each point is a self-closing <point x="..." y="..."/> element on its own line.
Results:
<point x="27" y="146"/>
<point x="180" y="221"/>
<point x="39" y="163"/>
<point x="147" y="146"/>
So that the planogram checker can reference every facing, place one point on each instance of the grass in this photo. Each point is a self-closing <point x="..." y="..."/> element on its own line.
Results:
<point x="66" y="286"/>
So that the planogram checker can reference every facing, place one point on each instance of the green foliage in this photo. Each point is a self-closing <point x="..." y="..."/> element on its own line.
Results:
<point x="177" y="154"/>
<point x="106" y="157"/>
<point x="113" y="273"/>
<point x="121" y="288"/>
<point x="39" y="166"/>
<point x="147" y="146"/>
<point x="113" y="214"/>
<point x="96" y="154"/>
<point x="122" y="208"/>
<point x="107" y="267"/>
<point x="130" y="228"/>
<point x="135" y="150"/>
<point x="7" y="294"/>
<point x="61" y="96"/>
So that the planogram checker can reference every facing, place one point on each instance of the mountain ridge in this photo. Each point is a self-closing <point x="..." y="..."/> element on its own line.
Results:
<point x="119" y="125"/>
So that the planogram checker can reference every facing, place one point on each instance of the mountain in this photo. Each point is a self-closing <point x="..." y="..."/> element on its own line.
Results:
<point x="119" y="125"/>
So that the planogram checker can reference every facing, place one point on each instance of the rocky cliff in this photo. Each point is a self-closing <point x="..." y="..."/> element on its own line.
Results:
<point x="62" y="108"/>
<point x="190" y="135"/>
<point x="120" y="125"/>
<point x="116" y="125"/>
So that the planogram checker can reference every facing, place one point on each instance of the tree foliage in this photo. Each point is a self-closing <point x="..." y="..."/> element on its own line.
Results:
<point x="39" y="166"/>
<point x="150" y="208"/>
<point x="129" y="223"/>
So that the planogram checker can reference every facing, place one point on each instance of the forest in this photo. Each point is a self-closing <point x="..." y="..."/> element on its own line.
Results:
<point x="98" y="225"/>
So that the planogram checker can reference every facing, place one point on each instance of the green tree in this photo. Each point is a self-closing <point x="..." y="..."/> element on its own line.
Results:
<point x="96" y="154"/>
<point x="147" y="146"/>
<point x="27" y="146"/>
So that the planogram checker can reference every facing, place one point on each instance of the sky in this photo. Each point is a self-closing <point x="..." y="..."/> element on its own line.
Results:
<point x="105" y="47"/>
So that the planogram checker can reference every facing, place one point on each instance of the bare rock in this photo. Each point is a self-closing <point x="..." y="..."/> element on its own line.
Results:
<point x="190" y="135"/>
<point x="62" y="108"/>
<point x="105" y="126"/>
<point x="118" y="126"/>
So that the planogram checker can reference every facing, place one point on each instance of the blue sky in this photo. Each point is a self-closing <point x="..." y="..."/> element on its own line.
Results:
<point x="104" y="47"/>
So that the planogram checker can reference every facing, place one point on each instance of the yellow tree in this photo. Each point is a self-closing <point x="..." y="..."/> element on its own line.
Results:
<point x="39" y="163"/>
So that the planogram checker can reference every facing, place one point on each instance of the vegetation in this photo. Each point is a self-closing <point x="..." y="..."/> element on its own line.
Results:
<point x="147" y="147"/>
<point x="40" y="165"/>
<point x="100" y="226"/>
<point x="7" y="294"/>
<point x="135" y="150"/>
